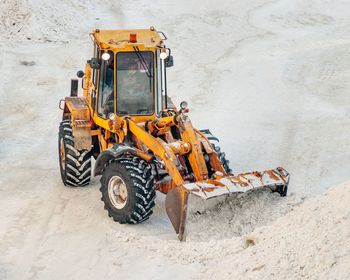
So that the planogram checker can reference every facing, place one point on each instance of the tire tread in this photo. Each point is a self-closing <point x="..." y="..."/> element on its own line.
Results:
<point x="77" y="170"/>
<point x="138" y="172"/>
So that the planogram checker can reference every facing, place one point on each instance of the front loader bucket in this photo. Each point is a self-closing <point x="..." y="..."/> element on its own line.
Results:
<point x="176" y="201"/>
<point x="176" y="208"/>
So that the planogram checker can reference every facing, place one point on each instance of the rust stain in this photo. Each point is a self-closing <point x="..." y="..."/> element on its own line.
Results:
<point x="237" y="180"/>
<point x="206" y="189"/>
<point x="215" y="183"/>
<point x="257" y="174"/>
<point x="272" y="175"/>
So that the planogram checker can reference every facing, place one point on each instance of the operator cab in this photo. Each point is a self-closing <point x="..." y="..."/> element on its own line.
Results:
<point x="129" y="73"/>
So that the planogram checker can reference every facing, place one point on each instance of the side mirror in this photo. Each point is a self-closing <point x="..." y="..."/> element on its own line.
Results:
<point x="80" y="74"/>
<point x="169" y="62"/>
<point x="94" y="63"/>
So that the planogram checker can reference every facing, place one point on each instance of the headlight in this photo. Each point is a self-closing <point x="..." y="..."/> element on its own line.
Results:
<point x="163" y="55"/>
<point x="111" y="116"/>
<point x="106" y="56"/>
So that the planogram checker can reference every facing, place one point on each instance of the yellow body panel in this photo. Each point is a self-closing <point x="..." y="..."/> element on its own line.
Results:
<point x="80" y="121"/>
<point x="119" y="39"/>
<point x="78" y="106"/>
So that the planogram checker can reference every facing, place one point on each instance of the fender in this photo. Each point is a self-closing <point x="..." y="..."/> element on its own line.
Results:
<point x="77" y="109"/>
<point x="109" y="154"/>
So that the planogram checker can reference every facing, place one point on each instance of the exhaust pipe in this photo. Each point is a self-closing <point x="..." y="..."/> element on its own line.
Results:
<point x="74" y="87"/>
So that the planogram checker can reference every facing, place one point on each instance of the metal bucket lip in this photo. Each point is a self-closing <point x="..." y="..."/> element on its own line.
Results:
<point x="272" y="179"/>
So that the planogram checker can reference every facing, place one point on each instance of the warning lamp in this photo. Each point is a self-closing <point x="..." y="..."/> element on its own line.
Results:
<point x="132" y="38"/>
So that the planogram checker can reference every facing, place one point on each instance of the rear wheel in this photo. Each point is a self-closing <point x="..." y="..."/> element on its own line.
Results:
<point x="127" y="190"/>
<point x="221" y="155"/>
<point x="75" y="165"/>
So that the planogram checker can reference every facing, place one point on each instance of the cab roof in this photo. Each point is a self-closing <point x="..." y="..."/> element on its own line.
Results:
<point x="150" y="38"/>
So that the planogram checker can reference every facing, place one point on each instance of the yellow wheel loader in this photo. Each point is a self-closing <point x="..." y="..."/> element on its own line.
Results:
<point x="141" y="142"/>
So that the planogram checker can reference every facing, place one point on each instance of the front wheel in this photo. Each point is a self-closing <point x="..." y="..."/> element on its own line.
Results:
<point x="127" y="190"/>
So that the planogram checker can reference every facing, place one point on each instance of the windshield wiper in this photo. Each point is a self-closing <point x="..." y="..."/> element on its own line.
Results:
<point x="143" y="62"/>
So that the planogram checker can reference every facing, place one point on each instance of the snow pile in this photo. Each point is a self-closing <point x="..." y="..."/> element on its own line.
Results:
<point x="237" y="214"/>
<point x="312" y="242"/>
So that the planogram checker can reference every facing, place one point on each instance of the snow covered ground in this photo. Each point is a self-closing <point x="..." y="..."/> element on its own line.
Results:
<point x="269" y="78"/>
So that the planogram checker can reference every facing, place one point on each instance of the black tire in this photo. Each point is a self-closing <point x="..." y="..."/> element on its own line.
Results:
<point x="222" y="156"/>
<point x="75" y="165"/>
<point x="136" y="180"/>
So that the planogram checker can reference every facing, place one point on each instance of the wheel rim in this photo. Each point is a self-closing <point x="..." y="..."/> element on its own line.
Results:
<point x="117" y="192"/>
<point x="62" y="155"/>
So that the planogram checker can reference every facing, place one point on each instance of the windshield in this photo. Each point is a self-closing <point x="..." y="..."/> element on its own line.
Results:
<point x="135" y="83"/>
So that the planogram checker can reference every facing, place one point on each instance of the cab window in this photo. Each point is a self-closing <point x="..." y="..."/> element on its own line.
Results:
<point x="135" y="79"/>
<point x="105" y="102"/>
